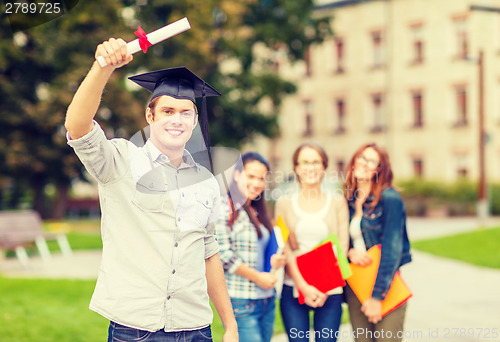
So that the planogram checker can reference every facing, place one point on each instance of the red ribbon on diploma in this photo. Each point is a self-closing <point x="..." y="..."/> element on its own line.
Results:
<point x="143" y="39"/>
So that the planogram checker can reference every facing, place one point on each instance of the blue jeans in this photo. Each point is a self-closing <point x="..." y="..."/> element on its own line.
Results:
<point x="255" y="318"/>
<point x="121" y="333"/>
<point x="296" y="317"/>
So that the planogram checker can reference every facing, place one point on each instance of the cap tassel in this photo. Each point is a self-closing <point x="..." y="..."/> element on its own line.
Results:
<point x="204" y="127"/>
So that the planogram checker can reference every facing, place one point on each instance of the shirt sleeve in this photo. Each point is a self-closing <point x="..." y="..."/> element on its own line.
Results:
<point x="391" y="243"/>
<point x="230" y="260"/>
<point x="102" y="158"/>
<point x="211" y="244"/>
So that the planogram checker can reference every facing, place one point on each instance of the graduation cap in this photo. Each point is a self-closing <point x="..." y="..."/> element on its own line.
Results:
<point x="180" y="83"/>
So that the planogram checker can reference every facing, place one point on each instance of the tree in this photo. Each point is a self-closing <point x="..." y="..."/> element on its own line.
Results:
<point x="228" y="32"/>
<point x="42" y="67"/>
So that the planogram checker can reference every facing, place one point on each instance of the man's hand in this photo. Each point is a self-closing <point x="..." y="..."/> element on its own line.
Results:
<point x="86" y="101"/>
<point x="372" y="309"/>
<point x="114" y="51"/>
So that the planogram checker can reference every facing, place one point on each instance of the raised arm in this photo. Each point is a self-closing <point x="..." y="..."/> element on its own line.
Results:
<point x="86" y="101"/>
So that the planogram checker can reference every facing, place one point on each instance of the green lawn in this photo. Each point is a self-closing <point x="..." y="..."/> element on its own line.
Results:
<point x="77" y="241"/>
<point x="480" y="247"/>
<point x="80" y="241"/>
<point x="45" y="310"/>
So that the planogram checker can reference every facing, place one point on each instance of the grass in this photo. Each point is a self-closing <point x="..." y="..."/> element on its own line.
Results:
<point x="46" y="310"/>
<point x="77" y="241"/>
<point x="80" y="241"/>
<point x="480" y="247"/>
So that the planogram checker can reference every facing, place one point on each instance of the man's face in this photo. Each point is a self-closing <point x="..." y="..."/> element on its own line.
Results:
<point x="172" y="122"/>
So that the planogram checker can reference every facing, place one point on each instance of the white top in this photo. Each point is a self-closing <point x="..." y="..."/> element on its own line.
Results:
<point x="311" y="229"/>
<point x="356" y="236"/>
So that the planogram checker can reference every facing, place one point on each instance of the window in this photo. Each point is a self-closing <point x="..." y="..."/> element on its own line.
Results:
<point x="461" y="163"/>
<point x="418" y="44"/>
<point x="378" y="51"/>
<point x="418" y="118"/>
<point x="339" y="116"/>
<point x="461" y="39"/>
<point x="339" y="54"/>
<point x="418" y="167"/>
<point x="307" y="59"/>
<point x="378" y="113"/>
<point x="308" y="119"/>
<point x="461" y="105"/>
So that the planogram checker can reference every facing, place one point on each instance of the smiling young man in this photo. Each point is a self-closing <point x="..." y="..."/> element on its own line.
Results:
<point x="160" y="263"/>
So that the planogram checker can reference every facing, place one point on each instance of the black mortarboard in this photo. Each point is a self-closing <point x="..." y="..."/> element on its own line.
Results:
<point x="180" y="83"/>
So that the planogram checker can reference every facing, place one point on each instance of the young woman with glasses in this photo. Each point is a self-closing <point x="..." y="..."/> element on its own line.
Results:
<point x="377" y="217"/>
<point x="311" y="215"/>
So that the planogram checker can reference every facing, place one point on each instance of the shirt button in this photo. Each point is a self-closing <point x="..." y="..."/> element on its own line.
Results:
<point x="173" y="271"/>
<point x="182" y="194"/>
<point x="168" y="297"/>
<point x="176" y="244"/>
<point x="179" y="219"/>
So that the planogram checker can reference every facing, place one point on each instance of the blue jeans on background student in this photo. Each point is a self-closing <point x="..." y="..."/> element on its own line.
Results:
<point x="296" y="317"/>
<point x="121" y="333"/>
<point x="255" y="318"/>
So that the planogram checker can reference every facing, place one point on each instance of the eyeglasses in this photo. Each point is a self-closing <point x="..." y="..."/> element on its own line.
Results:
<point x="315" y="163"/>
<point x="371" y="163"/>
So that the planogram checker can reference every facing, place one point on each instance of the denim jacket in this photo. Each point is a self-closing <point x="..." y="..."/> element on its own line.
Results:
<point x="385" y="225"/>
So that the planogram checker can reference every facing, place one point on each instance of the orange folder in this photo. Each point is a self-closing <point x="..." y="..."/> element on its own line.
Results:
<point x="363" y="279"/>
<point x="320" y="268"/>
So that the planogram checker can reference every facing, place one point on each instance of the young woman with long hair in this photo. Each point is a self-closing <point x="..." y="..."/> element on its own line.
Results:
<point x="243" y="232"/>
<point x="377" y="217"/>
<point x="311" y="215"/>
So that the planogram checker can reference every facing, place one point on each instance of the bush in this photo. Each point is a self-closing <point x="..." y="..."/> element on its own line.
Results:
<point x="423" y="197"/>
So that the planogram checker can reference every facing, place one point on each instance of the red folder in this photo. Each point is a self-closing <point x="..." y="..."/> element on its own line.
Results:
<point x="320" y="268"/>
<point x="363" y="279"/>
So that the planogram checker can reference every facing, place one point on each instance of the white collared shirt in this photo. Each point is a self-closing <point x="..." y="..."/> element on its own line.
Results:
<point x="157" y="229"/>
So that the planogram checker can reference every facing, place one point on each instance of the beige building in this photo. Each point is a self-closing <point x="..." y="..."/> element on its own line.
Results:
<point x="396" y="73"/>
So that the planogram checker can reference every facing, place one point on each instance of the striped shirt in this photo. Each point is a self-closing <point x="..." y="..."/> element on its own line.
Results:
<point x="239" y="244"/>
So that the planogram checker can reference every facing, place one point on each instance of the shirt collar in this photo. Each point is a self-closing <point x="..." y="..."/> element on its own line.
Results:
<point x="157" y="156"/>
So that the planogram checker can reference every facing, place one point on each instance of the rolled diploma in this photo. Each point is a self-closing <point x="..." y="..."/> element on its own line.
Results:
<point x="155" y="37"/>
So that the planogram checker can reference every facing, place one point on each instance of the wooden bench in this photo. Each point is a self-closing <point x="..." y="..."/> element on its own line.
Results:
<point x="19" y="229"/>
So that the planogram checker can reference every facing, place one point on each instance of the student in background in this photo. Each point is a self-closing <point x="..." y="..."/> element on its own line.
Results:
<point x="377" y="216"/>
<point x="311" y="215"/>
<point x="243" y="232"/>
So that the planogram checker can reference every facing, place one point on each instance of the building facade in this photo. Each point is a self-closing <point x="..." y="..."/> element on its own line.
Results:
<point x="403" y="74"/>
